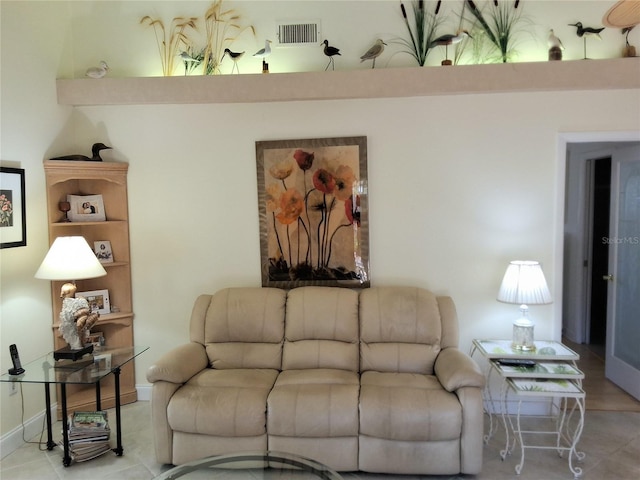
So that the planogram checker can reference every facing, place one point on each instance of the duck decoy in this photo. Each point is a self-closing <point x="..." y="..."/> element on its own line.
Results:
<point x="235" y="56"/>
<point x="95" y="151"/>
<point x="330" y="52"/>
<point x="447" y="40"/>
<point x="374" y="52"/>
<point x="98" y="72"/>
<point x="584" y="32"/>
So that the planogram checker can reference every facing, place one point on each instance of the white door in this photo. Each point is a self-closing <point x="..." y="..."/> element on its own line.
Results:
<point x="622" y="364"/>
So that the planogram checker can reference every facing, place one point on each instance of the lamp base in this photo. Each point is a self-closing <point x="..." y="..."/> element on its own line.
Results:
<point x="523" y="338"/>
<point x="67" y="353"/>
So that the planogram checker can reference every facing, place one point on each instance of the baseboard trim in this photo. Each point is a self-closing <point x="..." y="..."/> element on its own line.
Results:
<point x="34" y="426"/>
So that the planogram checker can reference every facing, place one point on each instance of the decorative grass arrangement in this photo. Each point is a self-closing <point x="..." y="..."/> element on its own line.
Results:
<point x="501" y="26"/>
<point x="170" y="42"/>
<point x="423" y="32"/>
<point x="222" y="28"/>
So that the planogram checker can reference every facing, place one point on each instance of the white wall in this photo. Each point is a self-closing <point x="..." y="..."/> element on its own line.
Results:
<point x="458" y="185"/>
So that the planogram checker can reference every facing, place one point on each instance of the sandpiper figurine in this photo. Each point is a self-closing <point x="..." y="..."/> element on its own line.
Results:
<point x="330" y="52"/>
<point x="447" y="40"/>
<point x="374" y="52"/>
<point x="235" y="56"/>
<point x="584" y="32"/>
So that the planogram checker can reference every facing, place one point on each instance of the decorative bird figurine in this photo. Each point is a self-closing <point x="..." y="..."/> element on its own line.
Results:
<point x="374" y="52"/>
<point x="584" y="32"/>
<point x="95" y="152"/>
<point x="447" y="40"/>
<point x="555" y="46"/>
<point x="98" y="72"/>
<point x="264" y="53"/>
<point x="330" y="52"/>
<point x="235" y="56"/>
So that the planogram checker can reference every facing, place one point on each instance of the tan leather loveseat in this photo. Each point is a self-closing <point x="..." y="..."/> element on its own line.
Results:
<point x="368" y="380"/>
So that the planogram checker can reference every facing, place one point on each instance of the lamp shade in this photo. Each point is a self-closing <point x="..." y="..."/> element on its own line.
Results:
<point x="70" y="258"/>
<point x="524" y="284"/>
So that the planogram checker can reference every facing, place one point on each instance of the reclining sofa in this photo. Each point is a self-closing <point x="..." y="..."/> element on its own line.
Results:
<point x="368" y="380"/>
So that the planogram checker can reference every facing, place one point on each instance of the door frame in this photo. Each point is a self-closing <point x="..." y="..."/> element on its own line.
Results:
<point x="564" y="140"/>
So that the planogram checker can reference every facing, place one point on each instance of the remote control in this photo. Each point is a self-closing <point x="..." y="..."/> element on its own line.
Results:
<point x="15" y="358"/>
<point x="516" y="362"/>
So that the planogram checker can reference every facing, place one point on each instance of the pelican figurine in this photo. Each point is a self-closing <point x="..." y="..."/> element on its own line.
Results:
<point x="374" y="52"/>
<point x="95" y="152"/>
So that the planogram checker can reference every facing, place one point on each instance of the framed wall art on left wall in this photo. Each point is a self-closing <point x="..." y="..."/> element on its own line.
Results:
<point x="13" y="221"/>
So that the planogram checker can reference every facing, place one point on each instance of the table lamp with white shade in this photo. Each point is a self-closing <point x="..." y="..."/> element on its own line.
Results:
<point x="524" y="284"/>
<point x="70" y="259"/>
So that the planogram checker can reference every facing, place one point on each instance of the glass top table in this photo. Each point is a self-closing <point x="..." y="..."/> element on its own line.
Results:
<point x="47" y="370"/>
<point x="259" y="465"/>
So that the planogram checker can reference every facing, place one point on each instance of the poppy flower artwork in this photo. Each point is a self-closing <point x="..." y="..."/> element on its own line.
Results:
<point x="312" y="198"/>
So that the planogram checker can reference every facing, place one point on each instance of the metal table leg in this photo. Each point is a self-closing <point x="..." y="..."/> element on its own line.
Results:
<point x="66" y="459"/>
<point x="118" y="450"/>
<point x="47" y="400"/>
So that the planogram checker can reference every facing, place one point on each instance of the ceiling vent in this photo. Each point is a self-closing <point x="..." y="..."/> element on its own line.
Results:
<point x="291" y="34"/>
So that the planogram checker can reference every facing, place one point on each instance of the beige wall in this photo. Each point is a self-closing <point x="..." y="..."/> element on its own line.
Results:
<point x="458" y="185"/>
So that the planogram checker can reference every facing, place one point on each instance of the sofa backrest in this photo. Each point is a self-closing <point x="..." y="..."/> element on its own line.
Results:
<point x="402" y="329"/>
<point x="321" y="329"/>
<point x="241" y="327"/>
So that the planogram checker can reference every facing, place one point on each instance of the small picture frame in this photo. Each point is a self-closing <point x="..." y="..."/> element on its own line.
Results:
<point x="98" y="300"/>
<point x="102" y="249"/>
<point x="102" y="362"/>
<point x="86" y="208"/>
<point x="96" y="339"/>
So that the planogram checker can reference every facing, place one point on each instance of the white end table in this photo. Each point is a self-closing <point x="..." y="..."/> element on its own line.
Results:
<point x="554" y="376"/>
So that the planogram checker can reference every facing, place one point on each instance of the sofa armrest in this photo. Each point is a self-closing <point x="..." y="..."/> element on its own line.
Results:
<point x="179" y="365"/>
<point x="455" y="369"/>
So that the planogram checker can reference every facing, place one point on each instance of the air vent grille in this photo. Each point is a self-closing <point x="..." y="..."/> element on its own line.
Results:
<point x="298" y="33"/>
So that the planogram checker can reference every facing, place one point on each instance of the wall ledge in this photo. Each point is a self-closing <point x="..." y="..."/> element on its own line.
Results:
<point x="619" y="73"/>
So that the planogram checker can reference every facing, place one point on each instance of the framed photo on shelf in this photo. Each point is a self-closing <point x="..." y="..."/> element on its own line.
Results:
<point x="13" y="222"/>
<point x="86" y="208"/>
<point x="96" y="339"/>
<point x="102" y="249"/>
<point x="98" y="300"/>
<point x="313" y="210"/>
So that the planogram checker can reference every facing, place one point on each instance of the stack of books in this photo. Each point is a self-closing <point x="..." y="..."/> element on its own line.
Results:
<point x="88" y="435"/>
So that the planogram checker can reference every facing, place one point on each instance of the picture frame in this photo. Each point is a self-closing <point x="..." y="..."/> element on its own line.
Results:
<point x="13" y="218"/>
<point x="102" y="362"/>
<point x="98" y="300"/>
<point x="96" y="339"/>
<point x="313" y="212"/>
<point x="86" y="208"/>
<point x="102" y="249"/>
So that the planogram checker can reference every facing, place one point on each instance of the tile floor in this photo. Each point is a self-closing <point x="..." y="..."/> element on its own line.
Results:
<point x="610" y="440"/>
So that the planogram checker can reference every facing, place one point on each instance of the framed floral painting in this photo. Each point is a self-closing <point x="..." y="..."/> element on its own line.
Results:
<point x="312" y="199"/>
<point x="13" y="222"/>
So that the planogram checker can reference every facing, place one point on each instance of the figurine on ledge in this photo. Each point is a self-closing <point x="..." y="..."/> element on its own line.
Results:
<point x="76" y="318"/>
<point x="95" y="152"/>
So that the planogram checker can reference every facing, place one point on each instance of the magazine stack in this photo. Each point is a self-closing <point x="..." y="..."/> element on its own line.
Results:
<point x="88" y="435"/>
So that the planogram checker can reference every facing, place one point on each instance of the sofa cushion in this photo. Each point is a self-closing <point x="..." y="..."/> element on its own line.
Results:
<point x="223" y="403"/>
<point x="400" y="330"/>
<point x="408" y="407"/>
<point x="314" y="403"/>
<point x="241" y="327"/>
<point x="321" y="329"/>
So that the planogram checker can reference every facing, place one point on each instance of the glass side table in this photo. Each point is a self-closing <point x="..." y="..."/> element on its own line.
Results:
<point x="43" y="370"/>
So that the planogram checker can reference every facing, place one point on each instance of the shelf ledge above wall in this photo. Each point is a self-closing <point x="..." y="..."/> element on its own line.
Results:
<point x="621" y="73"/>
